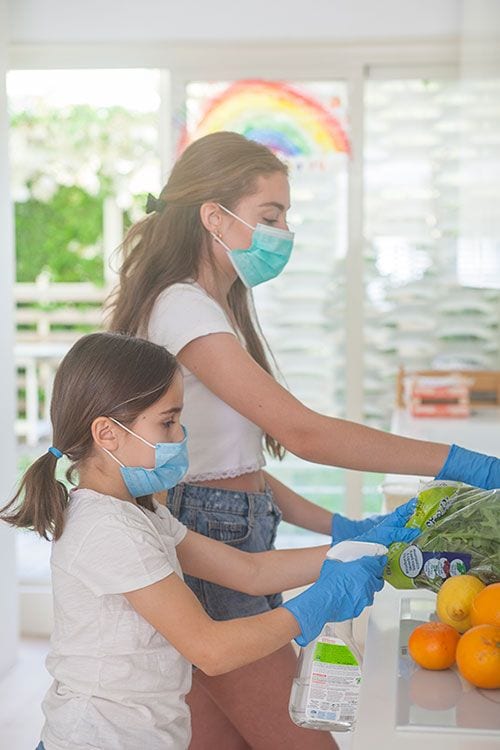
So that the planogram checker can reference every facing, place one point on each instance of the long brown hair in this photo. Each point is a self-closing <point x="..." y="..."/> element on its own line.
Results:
<point x="166" y="247"/>
<point x="103" y="374"/>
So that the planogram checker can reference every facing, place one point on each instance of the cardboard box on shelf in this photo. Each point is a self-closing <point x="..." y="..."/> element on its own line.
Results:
<point x="439" y="396"/>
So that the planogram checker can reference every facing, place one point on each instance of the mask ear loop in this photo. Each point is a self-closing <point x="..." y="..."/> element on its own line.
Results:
<point x="221" y="242"/>
<point x="236" y="217"/>
<point x="113" y="457"/>
<point x="131" y="433"/>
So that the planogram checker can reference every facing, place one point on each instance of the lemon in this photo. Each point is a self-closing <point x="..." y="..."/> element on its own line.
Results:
<point x="454" y="600"/>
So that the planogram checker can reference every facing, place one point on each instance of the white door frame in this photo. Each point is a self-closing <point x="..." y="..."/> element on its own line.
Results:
<point x="8" y="579"/>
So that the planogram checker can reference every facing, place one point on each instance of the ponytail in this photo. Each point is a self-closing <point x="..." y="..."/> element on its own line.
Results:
<point x="40" y="501"/>
<point x="103" y="374"/>
<point x="168" y="245"/>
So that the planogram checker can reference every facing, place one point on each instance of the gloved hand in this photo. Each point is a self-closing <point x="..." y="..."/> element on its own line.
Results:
<point x="467" y="466"/>
<point x="341" y="592"/>
<point x="346" y="528"/>
<point x="344" y="589"/>
<point x="387" y="533"/>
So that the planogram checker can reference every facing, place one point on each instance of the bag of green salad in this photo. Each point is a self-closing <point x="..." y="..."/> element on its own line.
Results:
<point x="460" y="534"/>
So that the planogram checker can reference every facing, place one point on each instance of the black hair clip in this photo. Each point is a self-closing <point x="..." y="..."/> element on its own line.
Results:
<point x="154" y="204"/>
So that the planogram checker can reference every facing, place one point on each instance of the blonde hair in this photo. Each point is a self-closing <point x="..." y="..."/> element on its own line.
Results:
<point x="166" y="246"/>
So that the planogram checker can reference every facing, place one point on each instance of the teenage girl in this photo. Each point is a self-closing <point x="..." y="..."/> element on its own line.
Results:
<point x="126" y="625"/>
<point x="218" y="229"/>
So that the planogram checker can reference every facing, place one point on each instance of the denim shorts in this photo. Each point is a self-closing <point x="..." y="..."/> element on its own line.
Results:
<point x="246" y="520"/>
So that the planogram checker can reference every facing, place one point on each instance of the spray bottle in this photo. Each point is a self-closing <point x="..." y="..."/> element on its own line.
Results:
<point x="325" y="691"/>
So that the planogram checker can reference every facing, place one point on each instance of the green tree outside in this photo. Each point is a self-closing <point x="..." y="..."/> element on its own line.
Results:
<point x="65" y="163"/>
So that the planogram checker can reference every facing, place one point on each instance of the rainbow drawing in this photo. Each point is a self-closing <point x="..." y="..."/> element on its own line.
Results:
<point x="276" y="114"/>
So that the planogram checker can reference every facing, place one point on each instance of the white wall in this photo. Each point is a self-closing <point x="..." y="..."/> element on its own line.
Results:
<point x="8" y="583"/>
<point x="39" y="21"/>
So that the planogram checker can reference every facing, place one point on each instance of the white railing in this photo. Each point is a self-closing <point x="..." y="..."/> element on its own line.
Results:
<point x="50" y="317"/>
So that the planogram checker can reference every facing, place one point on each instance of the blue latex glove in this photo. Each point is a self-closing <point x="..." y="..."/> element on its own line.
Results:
<point x="341" y="592"/>
<point x="345" y="528"/>
<point x="344" y="589"/>
<point x="462" y="465"/>
<point x="385" y="533"/>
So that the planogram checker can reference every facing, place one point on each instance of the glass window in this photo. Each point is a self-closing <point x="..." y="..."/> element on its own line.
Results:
<point x="83" y="142"/>
<point x="478" y="250"/>
<point x="424" y="153"/>
<point x="84" y="152"/>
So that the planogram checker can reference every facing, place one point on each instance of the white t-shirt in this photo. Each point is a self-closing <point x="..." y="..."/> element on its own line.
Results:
<point x="221" y="442"/>
<point x="118" y="684"/>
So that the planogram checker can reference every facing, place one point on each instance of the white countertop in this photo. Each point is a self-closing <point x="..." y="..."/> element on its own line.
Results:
<point x="479" y="432"/>
<point x="390" y="716"/>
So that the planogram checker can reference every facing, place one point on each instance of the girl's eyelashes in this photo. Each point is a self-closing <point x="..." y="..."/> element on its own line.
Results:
<point x="169" y="423"/>
<point x="270" y="221"/>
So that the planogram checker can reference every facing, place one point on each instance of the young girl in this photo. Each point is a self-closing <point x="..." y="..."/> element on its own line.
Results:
<point x="218" y="229"/>
<point x="126" y="625"/>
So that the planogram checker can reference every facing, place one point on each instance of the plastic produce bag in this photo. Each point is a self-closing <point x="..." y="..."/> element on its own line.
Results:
<point x="460" y="534"/>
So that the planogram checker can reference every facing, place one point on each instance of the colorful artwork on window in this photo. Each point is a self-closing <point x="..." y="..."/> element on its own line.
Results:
<point x="288" y="121"/>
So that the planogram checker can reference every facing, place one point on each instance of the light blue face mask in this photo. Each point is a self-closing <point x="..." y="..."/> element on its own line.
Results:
<point x="171" y="464"/>
<point x="268" y="254"/>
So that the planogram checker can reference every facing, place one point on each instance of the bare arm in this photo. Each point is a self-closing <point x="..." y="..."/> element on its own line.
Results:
<point x="216" y="647"/>
<point x="299" y="511"/>
<point x="253" y="573"/>
<point x="326" y="440"/>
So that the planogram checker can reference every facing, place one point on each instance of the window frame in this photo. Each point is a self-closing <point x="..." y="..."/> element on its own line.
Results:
<point x="354" y="62"/>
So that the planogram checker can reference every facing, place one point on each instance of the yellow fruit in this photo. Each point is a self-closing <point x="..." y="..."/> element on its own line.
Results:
<point x="454" y="601"/>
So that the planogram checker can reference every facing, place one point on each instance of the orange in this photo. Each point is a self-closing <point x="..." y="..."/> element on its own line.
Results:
<point x="433" y="645"/>
<point x="478" y="656"/>
<point x="485" y="608"/>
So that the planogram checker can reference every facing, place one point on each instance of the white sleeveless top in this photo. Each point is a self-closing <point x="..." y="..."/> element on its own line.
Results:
<point x="221" y="442"/>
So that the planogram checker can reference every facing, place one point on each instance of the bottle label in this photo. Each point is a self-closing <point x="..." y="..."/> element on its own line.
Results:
<point x="334" y="686"/>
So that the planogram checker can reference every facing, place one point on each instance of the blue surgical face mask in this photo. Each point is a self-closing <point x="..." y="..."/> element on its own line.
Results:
<point x="171" y="464"/>
<point x="268" y="254"/>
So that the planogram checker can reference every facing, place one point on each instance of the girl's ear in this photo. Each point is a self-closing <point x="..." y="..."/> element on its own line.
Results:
<point x="105" y="433"/>
<point x="211" y="217"/>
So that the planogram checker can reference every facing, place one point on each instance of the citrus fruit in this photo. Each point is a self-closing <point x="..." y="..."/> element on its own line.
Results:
<point x="454" y="600"/>
<point x="478" y="656"/>
<point x="485" y="608"/>
<point x="433" y="645"/>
